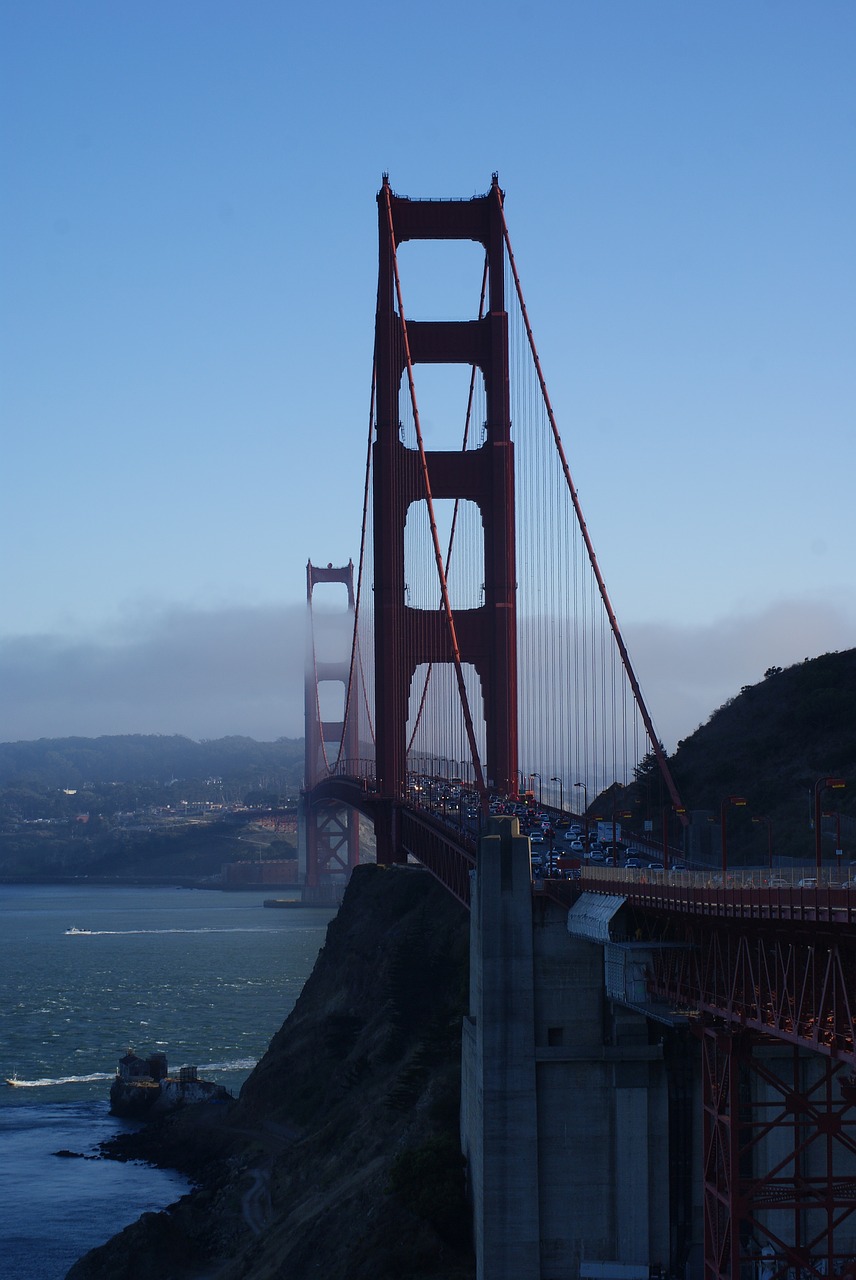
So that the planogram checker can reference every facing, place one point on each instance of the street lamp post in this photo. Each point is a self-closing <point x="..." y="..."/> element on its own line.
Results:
<point x="540" y="790"/>
<point x="822" y="784"/>
<point x="561" y="792"/>
<point x="837" y="816"/>
<point x="737" y="801"/>
<point x="585" y="809"/>
<point x="767" y="822"/>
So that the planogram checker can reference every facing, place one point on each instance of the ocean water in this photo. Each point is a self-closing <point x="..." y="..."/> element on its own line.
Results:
<point x="206" y="977"/>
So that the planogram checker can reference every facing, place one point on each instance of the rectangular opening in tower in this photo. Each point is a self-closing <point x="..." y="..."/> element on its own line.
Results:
<point x="441" y="279"/>
<point x="452" y="409"/>
<point x="332" y="634"/>
<point x="331" y="700"/>
<point x="461" y="537"/>
<point x="436" y="730"/>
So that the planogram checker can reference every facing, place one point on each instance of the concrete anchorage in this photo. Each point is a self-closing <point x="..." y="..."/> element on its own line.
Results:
<point x="565" y="1110"/>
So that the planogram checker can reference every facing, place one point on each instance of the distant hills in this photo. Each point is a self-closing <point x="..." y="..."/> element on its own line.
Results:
<point x="139" y="808"/>
<point x="769" y="744"/>
<point x="150" y="758"/>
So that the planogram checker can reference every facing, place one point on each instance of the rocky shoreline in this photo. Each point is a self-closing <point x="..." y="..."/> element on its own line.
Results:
<point x="341" y="1157"/>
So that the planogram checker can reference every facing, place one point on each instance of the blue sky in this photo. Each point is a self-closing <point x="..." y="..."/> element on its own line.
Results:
<point x="188" y="277"/>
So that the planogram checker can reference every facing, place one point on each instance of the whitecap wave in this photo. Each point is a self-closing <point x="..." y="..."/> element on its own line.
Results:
<point x="236" y="1064"/>
<point x="239" y="1064"/>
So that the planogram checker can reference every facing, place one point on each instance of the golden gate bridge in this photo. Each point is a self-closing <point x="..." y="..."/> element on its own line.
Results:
<point x="475" y="651"/>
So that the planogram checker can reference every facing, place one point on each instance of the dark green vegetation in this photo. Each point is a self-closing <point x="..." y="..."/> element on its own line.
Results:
<point x="138" y="807"/>
<point x="341" y="1158"/>
<point x="770" y="744"/>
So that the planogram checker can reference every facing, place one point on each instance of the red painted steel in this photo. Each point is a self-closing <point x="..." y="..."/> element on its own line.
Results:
<point x="449" y="857"/>
<point x="779" y="1153"/>
<point x="451" y="628"/>
<point x="794" y="984"/>
<point x="448" y="852"/>
<point x="405" y="636"/>
<point x="767" y="978"/>
<point x="779" y="961"/>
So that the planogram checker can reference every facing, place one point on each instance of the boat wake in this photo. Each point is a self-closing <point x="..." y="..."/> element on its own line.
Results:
<point x="45" y="1082"/>
<point x="121" y="933"/>
<point x="237" y="1064"/>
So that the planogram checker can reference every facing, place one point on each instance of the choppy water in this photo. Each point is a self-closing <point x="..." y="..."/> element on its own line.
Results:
<point x="204" y="976"/>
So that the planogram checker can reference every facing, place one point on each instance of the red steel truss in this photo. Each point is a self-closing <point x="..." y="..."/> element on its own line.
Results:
<point x="779" y="1152"/>
<point x="789" y="980"/>
<point x="773" y="1001"/>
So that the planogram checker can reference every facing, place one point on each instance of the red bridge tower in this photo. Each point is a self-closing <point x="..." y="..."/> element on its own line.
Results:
<point x="406" y="636"/>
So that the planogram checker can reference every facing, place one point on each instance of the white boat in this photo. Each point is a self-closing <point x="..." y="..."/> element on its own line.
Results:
<point x="74" y="931"/>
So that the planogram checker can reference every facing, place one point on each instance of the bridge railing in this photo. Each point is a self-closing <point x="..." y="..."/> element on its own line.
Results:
<point x="356" y="767"/>
<point x="803" y="878"/>
<point x="798" y="896"/>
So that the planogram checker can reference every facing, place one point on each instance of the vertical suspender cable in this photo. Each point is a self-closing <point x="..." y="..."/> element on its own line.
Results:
<point x="656" y="745"/>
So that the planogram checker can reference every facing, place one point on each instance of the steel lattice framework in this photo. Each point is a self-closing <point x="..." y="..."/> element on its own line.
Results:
<point x="779" y="1158"/>
<point x="768" y="978"/>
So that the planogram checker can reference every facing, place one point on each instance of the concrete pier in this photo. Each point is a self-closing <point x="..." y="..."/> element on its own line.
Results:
<point x="564" y="1118"/>
<point x="499" y="1114"/>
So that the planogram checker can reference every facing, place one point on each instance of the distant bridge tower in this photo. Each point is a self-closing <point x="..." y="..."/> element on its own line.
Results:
<point x="406" y="637"/>
<point x="330" y="829"/>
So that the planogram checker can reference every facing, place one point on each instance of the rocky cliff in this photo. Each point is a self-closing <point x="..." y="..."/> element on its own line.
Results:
<point x="341" y="1157"/>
